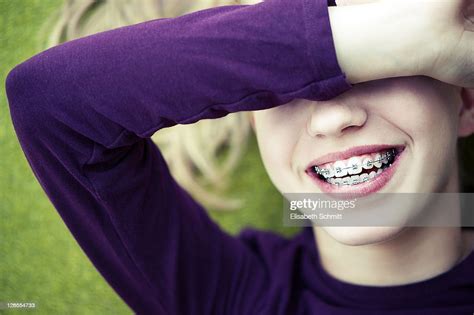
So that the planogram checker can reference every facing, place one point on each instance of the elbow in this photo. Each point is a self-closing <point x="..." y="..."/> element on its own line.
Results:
<point x="24" y="82"/>
<point x="14" y="84"/>
<point x="25" y="90"/>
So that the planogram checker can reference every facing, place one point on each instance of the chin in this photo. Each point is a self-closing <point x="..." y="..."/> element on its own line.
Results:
<point x="362" y="235"/>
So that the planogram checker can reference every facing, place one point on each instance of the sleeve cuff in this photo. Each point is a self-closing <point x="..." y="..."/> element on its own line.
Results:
<point x="320" y="43"/>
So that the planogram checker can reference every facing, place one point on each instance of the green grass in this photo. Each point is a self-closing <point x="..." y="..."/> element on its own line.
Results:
<point x="40" y="261"/>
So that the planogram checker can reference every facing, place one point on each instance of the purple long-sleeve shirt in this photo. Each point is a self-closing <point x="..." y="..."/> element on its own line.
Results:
<point x="84" y="112"/>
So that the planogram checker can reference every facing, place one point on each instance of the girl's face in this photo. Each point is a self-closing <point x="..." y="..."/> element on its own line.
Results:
<point x="394" y="136"/>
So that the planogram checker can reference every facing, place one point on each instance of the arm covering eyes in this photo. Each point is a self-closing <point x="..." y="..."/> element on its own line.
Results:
<point x="84" y="112"/>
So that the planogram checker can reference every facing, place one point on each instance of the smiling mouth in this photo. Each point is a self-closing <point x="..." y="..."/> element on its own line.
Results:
<point x="356" y="170"/>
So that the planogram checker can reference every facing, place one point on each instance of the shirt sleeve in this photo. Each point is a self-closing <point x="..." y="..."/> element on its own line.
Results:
<point x="84" y="112"/>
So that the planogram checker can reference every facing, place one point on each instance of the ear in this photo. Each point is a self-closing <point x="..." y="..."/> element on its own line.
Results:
<point x="466" y="114"/>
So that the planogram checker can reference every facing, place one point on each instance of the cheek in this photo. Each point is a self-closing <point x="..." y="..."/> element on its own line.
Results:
<point x="425" y="110"/>
<point x="420" y="107"/>
<point x="427" y="115"/>
<point x="277" y="135"/>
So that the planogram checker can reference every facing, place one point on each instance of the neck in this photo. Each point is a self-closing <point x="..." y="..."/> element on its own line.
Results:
<point x="415" y="254"/>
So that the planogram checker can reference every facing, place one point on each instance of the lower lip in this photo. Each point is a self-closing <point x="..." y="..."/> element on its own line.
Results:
<point x="359" y="190"/>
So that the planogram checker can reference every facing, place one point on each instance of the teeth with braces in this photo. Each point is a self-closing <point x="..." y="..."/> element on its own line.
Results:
<point x="382" y="160"/>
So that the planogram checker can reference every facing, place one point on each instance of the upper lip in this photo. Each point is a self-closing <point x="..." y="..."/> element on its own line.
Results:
<point x="354" y="151"/>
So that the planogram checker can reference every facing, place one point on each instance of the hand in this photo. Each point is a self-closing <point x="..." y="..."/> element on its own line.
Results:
<point x="454" y="46"/>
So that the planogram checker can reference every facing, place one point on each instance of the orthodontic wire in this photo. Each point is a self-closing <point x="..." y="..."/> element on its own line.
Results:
<point x="323" y="171"/>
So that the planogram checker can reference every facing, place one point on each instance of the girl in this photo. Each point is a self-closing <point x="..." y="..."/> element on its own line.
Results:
<point x="84" y="113"/>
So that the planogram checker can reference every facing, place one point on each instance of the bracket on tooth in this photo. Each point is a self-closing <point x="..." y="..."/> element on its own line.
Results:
<point x="360" y="181"/>
<point x="321" y="171"/>
<point x="324" y="171"/>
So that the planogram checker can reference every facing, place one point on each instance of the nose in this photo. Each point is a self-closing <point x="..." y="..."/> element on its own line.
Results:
<point x="333" y="120"/>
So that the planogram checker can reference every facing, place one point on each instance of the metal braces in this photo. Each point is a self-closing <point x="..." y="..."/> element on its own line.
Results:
<point x="353" y="183"/>
<point x="324" y="171"/>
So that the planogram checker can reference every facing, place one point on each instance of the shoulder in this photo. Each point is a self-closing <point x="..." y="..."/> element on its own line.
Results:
<point x="273" y="248"/>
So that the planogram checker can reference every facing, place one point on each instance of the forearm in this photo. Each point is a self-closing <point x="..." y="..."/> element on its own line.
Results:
<point x="375" y="41"/>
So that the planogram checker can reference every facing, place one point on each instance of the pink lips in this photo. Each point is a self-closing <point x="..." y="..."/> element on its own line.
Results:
<point x="362" y="189"/>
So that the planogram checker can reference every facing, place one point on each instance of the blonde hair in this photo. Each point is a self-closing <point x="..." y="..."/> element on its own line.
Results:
<point x="200" y="156"/>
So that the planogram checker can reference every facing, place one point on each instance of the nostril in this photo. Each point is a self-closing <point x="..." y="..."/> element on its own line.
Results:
<point x="350" y="129"/>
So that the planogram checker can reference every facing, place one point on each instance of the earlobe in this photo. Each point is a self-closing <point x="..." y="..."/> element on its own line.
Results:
<point x="466" y="115"/>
